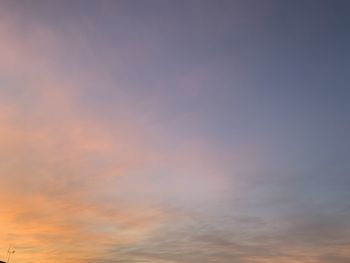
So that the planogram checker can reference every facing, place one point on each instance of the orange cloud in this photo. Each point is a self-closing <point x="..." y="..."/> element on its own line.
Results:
<point x="55" y="163"/>
<point x="69" y="179"/>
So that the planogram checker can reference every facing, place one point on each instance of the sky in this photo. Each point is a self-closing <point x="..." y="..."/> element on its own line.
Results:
<point x="175" y="131"/>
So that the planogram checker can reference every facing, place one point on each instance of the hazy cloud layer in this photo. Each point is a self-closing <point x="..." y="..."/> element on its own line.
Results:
<point x="174" y="131"/>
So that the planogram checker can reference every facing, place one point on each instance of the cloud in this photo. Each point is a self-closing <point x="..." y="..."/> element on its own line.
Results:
<point x="117" y="145"/>
<point x="74" y="185"/>
<point x="55" y="163"/>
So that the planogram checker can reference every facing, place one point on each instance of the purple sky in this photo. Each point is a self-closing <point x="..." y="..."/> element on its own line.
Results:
<point x="175" y="131"/>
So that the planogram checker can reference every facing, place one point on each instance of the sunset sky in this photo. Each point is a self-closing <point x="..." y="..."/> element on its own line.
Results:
<point x="175" y="131"/>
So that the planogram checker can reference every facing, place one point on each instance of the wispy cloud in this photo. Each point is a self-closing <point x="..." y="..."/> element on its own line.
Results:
<point x="74" y="185"/>
<point x="171" y="132"/>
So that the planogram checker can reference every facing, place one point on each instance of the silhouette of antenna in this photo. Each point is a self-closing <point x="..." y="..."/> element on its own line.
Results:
<point x="10" y="251"/>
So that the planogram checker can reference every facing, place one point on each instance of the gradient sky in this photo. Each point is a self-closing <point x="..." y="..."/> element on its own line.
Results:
<point x="181" y="131"/>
